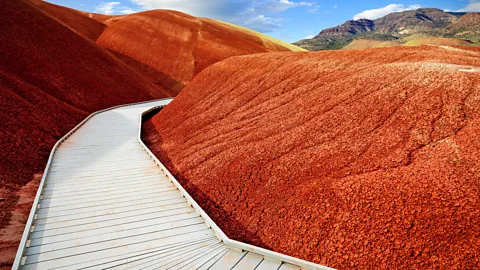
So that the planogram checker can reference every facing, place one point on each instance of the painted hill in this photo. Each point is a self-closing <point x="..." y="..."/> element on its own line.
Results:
<point x="57" y="65"/>
<point x="140" y="40"/>
<point x="77" y="20"/>
<point x="361" y="159"/>
<point x="400" y="28"/>
<point x="51" y="77"/>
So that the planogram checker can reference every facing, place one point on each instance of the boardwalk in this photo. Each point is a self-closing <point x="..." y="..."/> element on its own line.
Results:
<point x="106" y="204"/>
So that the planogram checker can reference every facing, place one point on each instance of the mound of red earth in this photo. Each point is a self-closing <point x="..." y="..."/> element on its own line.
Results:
<point x="171" y="47"/>
<point x="77" y="20"/>
<point x="51" y="78"/>
<point x="362" y="159"/>
<point x="57" y="65"/>
<point x="167" y="47"/>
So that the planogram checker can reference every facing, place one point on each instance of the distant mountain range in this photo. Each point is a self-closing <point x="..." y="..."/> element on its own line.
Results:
<point x="413" y="27"/>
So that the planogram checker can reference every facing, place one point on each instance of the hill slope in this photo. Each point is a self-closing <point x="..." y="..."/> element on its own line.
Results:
<point x="54" y="72"/>
<point x="355" y="160"/>
<point x="167" y="47"/>
<point x="399" y="27"/>
<point x="50" y="79"/>
<point x="193" y="44"/>
<point x="76" y="20"/>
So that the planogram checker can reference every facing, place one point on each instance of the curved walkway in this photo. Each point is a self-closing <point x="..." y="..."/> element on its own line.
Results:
<point x="104" y="203"/>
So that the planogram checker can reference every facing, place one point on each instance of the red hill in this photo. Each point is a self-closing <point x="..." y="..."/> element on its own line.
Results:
<point x="167" y="47"/>
<point x="76" y="20"/>
<point x="51" y="77"/>
<point x="353" y="159"/>
<point x="53" y="74"/>
<point x="171" y="47"/>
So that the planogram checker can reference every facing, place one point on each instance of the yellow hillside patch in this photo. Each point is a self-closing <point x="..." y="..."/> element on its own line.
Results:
<point x="437" y="41"/>
<point x="267" y="40"/>
<point x="368" y="43"/>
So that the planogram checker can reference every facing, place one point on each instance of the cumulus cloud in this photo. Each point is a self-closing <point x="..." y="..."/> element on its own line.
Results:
<point x="373" y="14"/>
<point x="113" y="8"/>
<point x="309" y="36"/>
<point x="196" y="7"/>
<point x="262" y="23"/>
<point x="473" y="6"/>
<point x="106" y="8"/>
<point x="261" y="15"/>
<point x="127" y="11"/>
<point x="313" y="8"/>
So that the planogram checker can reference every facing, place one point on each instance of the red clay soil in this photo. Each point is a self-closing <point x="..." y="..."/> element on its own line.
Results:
<point x="470" y="48"/>
<point x="103" y="18"/>
<point x="76" y="20"/>
<point x="363" y="159"/>
<point x="51" y="78"/>
<point x="10" y="236"/>
<point x="176" y="45"/>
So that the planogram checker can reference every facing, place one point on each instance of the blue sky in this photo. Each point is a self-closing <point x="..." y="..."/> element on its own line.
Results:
<point x="289" y="20"/>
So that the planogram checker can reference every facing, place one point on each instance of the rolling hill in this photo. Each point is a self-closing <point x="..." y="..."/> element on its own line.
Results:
<point x="139" y="40"/>
<point x="76" y="20"/>
<point x="51" y="77"/>
<point x="363" y="159"/>
<point x="57" y="65"/>
<point x="425" y="25"/>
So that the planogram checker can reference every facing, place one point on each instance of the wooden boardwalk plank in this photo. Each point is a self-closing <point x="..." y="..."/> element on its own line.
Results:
<point x="229" y="260"/>
<point x="250" y="261"/>
<point x="106" y="204"/>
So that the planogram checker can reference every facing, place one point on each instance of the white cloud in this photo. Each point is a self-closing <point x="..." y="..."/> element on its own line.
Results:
<point x="106" y="8"/>
<point x="127" y="11"/>
<point x="196" y="7"/>
<point x="309" y="37"/>
<point x="372" y="14"/>
<point x="282" y="5"/>
<point x="474" y="6"/>
<point x="210" y="8"/>
<point x="262" y="23"/>
<point x="314" y="8"/>
<point x="259" y="15"/>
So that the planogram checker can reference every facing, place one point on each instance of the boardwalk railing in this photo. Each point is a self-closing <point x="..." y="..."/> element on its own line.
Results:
<point x="230" y="243"/>
<point x="26" y="232"/>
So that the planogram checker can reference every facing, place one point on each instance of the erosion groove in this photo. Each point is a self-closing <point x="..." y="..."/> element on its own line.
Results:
<point x="373" y="163"/>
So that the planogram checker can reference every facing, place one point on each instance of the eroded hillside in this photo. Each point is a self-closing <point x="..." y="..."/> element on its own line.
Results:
<point x="352" y="159"/>
<point x="51" y="78"/>
<point x="57" y="65"/>
<point x="168" y="48"/>
<point x="171" y="47"/>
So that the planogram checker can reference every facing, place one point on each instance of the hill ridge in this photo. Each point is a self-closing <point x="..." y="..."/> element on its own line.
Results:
<point x="400" y="27"/>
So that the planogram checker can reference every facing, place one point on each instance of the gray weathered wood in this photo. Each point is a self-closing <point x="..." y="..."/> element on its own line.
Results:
<point x="105" y="203"/>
